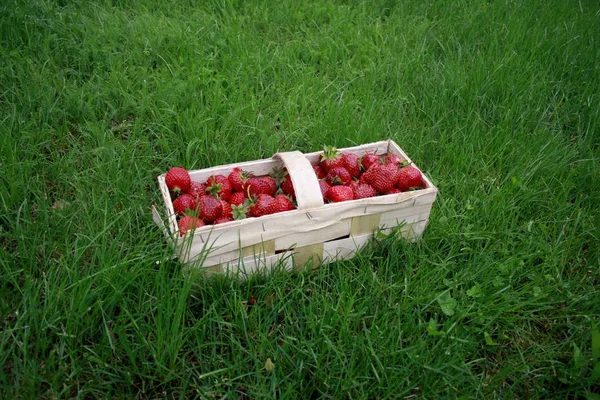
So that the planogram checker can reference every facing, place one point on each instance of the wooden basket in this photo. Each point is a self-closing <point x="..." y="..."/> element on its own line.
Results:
<point x="315" y="232"/>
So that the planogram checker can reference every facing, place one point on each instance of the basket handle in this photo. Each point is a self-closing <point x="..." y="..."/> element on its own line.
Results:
<point x="306" y="184"/>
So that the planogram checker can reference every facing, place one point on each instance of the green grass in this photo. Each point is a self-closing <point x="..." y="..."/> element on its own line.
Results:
<point x="498" y="101"/>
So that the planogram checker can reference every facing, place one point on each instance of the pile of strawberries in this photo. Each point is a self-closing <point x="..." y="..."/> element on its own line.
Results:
<point x="223" y="198"/>
<point x="239" y="195"/>
<point x="345" y="176"/>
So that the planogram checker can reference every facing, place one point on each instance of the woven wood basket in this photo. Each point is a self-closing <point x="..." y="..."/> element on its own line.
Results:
<point x="314" y="234"/>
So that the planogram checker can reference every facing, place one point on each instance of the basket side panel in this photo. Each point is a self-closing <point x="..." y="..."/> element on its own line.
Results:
<point x="344" y="249"/>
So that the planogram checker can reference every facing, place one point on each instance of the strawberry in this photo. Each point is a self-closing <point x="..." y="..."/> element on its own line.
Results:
<point x="197" y="190"/>
<point x="272" y="184"/>
<point x="211" y="209"/>
<point x="319" y="171"/>
<point x="338" y="176"/>
<point x="283" y="203"/>
<point x="393" y="159"/>
<point x="219" y="187"/>
<point x="183" y="203"/>
<point x="223" y="220"/>
<point x="330" y="158"/>
<point x="362" y="191"/>
<point x="352" y="164"/>
<point x="324" y="186"/>
<point x="257" y="186"/>
<point x="264" y="205"/>
<point x="382" y="177"/>
<point x="178" y="180"/>
<point x="408" y="177"/>
<point x="335" y="194"/>
<point x="370" y="159"/>
<point x="238" y="178"/>
<point x="237" y="198"/>
<point x="227" y="210"/>
<point x="394" y="191"/>
<point x="288" y="187"/>
<point x="189" y="223"/>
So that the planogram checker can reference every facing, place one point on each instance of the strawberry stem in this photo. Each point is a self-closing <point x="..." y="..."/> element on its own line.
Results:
<point x="215" y="190"/>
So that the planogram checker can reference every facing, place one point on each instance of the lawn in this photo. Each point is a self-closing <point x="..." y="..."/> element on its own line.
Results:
<point x="497" y="101"/>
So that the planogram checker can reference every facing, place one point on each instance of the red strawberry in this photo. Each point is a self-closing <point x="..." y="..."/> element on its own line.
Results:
<point x="178" y="179"/>
<point x="319" y="171"/>
<point x="238" y="179"/>
<point x="408" y="177"/>
<point x="335" y="194"/>
<point x="362" y="191"/>
<point x="223" y="220"/>
<point x="288" y="187"/>
<point x="330" y="158"/>
<point x="197" y="190"/>
<point x="183" y="203"/>
<point x="338" y="176"/>
<point x="394" y="191"/>
<point x="370" y="159"/>
<point x="283" y="203"/>
<point x="257" y="186"/>
<point x="272" y="184"/>
<point x="352" y="164"/>
<point x="189" y="223"/>
<point x="237" y="198"/>
<point x="227" y="211"/>
<point x="324" y="186"/>
<point x="393" y="159"/>
<point x="382" y="177"/>
<point x="211" y="209"/>
<point x="219" y="187"/>
<point x="264" y="205"/>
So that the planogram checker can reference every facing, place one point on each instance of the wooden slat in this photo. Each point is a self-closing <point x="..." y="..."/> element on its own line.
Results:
<point x="395" y="217"/>
<point x="164" y="190"/>
<point x="343" y="249"/>
<point x="410" y="231"/>
<point x="364" y="224"/>
<point x="292" y="239"/>
<point x="267" y="248"/>
<point x="312" y="253"/>
<point x="298" y="226"/>
<point x="253" y="264"/>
